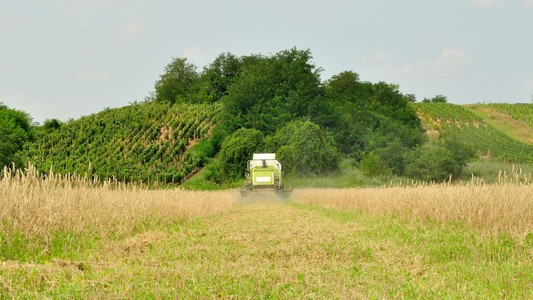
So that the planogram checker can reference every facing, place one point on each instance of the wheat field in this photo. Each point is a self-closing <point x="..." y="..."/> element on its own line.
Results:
<point x="73" y="237"/>
<point x="37" y="205"/>
<point x="505" y="208"/>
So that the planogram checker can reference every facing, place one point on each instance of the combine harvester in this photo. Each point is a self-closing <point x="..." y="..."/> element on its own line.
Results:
<point x="264" y="173"/>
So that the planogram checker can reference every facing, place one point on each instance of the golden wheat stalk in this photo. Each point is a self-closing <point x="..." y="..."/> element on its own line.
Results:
<point x="37" y="205"/>
<point x="500" y="208"/>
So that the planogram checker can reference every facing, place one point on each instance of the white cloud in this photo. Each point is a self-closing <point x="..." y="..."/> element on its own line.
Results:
<point x="488" y="3"/>
<point x="87" y="76"/>
<point x="131" y="30"/>
<point x="449" y="62"/>
<point x="529" y="83"/>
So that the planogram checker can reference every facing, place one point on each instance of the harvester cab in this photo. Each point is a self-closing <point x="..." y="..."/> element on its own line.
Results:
<point x="264" y="172"/>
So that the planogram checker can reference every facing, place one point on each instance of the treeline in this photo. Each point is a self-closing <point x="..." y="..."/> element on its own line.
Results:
<point x="279" y="103"/>
<point x="235" y="106"/>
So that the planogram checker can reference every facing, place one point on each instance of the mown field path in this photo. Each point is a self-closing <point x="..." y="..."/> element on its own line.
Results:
<point x="276" y="249"/>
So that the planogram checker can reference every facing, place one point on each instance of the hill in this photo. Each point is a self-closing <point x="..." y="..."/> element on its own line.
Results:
<point x="143" y="142"/>
<point x="520" y="111"/>
<point x="167" y="143"/>
<point x="275" y="103"/>
<point x="515" y="120"/>
<point x="474" y="130"/>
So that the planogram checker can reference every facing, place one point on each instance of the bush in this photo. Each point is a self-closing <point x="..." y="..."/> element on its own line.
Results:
<point x="52" y="125"/>
<point x="199" y="154"/>
<point x="373" y="165"/>
<point x="432" y="163"/>
<point x="439" y="160"/>
<point x="304" y="148"/>
<point x="236" y="150"/>
<point x="461" y="152"/>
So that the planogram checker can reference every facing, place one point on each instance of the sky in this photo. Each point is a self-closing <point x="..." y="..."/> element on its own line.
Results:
<point x="68" y="58"/>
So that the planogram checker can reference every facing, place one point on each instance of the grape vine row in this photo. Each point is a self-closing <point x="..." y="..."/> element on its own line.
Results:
<point x="474" y="131"/>
<point x="144" y="142"/>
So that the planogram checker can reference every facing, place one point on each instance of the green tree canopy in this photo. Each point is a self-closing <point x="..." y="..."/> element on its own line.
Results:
<point x="365" y="116"/>
<point x="304" y="148"/>
<point x="436" y="99"/>
<point x="431" y="163"/>
<point x="179" y="83"/>
<point x="15" y="130"/>
<point x="218" y="76"/>
<point x="438" y="160"/>
<point x="236" y="150"/>
<point x="52" y="125"/>
<point x="271" y="91"/>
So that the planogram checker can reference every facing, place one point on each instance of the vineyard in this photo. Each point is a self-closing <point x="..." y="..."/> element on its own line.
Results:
<point x="474" y="131"/>
<point x="146" y="142"/>
<point x="519" y="111"/>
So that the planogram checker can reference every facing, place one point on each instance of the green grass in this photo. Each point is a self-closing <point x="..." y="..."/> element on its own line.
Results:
<point x="58" y="245"/>
<point x="348" y="175"/>
<point x="273" y="250"/>
<point x="502" y="121"/>
<point x="519" y="111"/>
<point x="490" y="169"/>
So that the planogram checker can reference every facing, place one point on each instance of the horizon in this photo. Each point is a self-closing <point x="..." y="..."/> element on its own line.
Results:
<point x="61" y="59"/>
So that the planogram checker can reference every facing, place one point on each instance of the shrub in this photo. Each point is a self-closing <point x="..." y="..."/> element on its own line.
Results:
<point x="373" y="165"/>
<point x="304" y="148"/>
<point x="236" y="150"/>
<point x="432" y="163"/>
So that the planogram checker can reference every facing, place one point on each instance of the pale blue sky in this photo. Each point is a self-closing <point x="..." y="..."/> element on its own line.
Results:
<point x="67" y="58"/>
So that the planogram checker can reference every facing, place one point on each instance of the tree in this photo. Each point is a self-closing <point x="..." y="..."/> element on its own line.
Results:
<point x="373" y="165"/>
<point x="431" y="163"/>
<point x="178" y="83"/>
<point x="236" y="150"/>
<point x="219" y="75"/>
<point x="15" y="130"/>
<point x="439" y="99"/>
<point x="461" y="152"/>
<point x="52" y="125"/>
<point x="410" y="97"/>
<point x="271" y="91"/>
<point x="368" y="116"/>
<point x="345" y="83"/>
<point x="304" y="148"/>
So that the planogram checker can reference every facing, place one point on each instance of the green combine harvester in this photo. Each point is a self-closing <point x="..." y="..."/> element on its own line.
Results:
<point x="264" y="173"/>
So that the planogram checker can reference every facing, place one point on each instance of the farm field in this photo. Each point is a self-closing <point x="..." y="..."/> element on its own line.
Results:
<point x="515" y="120"/>
<point x="143" y="142"/>
<point x="319" y="244"/>
<point x="475" y="131"/>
